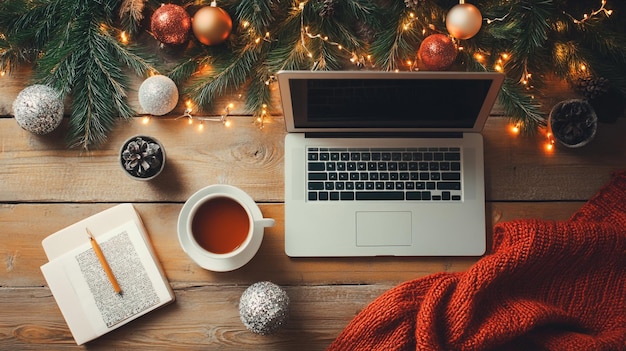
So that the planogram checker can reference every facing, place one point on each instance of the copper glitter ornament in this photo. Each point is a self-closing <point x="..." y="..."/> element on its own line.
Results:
<point x="211" y="25"/>
<point x="464" y="21"/>
<point x="170" y="24"/>
<point x="437" y="52"/>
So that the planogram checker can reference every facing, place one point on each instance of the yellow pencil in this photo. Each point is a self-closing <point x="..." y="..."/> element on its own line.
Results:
<point x="103" y="262"/>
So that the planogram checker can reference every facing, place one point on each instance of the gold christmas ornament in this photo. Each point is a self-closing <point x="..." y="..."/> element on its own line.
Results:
<point x="211" y="25"/>
<point x="464" y="20"/>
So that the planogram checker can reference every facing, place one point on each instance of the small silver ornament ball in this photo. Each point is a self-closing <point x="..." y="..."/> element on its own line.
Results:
<point x="38" y="109"/>
<point x="158" y="95"/>
<point x="264" y="308"/>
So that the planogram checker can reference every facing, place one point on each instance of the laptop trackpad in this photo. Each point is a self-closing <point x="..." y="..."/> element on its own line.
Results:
<point x="383" y="228"/>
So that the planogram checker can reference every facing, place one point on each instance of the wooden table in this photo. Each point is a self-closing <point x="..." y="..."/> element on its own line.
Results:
<point x="45" y="187"/>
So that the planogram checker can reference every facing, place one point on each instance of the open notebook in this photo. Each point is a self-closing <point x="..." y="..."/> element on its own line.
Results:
<point x="80" y="286"/>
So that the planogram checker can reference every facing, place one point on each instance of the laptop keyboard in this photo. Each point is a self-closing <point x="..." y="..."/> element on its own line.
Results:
<point x="351" y="174"/>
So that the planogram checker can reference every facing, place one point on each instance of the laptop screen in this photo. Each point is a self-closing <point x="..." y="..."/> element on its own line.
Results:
<point x="387" y="103"/>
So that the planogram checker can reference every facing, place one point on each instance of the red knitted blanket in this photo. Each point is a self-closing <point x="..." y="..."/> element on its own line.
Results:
<point x="547" y="285"/>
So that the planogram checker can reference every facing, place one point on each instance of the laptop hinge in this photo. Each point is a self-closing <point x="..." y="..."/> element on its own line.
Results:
<point x="383" y="135"/>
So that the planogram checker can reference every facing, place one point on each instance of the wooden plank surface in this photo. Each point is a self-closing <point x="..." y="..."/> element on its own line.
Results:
<point x="45" y="187"/>
<point x="325" y="293"/>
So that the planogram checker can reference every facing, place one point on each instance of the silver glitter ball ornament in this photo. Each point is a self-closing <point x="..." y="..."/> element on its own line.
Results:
<point x="264" y="308"/>
<point x="158" y="95"/>
<point x="38" y="109"/>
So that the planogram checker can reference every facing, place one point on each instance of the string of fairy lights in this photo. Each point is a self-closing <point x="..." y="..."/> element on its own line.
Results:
<point x="363" y="59"/>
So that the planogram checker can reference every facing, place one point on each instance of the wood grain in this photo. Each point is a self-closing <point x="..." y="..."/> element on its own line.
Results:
<point x="44" y="187"/>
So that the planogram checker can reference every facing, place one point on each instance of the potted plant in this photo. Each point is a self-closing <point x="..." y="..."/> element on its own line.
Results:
<point x="573" y="122"/>
<point x="142" y="157"/>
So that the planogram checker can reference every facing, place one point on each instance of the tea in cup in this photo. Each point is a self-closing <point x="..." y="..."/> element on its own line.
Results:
<point x="221" y="227"/>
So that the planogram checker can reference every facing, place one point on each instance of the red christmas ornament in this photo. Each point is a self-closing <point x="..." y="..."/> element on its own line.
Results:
<point x="170" y="24"/>
<point x="437" y="52"/>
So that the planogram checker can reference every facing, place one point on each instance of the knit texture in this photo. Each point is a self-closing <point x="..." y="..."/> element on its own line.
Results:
<point x="546" y="285"/>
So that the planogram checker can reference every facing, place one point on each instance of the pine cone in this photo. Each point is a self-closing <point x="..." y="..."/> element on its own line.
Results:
<point x="592" y="87"/>
<point x="365" y="31"/>
<point x="413" y="3"/>
<point x="141" y="157"/>
<point x="328" y="8"/>
<point x="573" y="122"/>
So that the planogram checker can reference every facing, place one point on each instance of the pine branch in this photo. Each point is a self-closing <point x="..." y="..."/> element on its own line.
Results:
<point x="520" y="107"/>
<point x="131" y="14"/>
<point x="221" y="80"/>
<point x="258" y="13"/>
<point x="397" y="41"/>
<point x="83" y="59"/>
<point x="290" y="53"/>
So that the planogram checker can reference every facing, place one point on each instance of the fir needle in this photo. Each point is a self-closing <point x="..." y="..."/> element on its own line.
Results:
<point x="104" y="263"/>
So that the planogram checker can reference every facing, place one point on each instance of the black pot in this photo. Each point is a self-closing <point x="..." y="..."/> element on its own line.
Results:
<point x="573" y="122"/>
<point x="142" y="157"/>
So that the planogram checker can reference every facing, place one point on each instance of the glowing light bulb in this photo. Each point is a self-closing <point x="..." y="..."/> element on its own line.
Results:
<point x="124" y="37"/>
<point x="145" y="120"/>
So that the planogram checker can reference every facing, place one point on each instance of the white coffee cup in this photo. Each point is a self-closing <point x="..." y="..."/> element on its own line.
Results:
<point x="221" y="228"/>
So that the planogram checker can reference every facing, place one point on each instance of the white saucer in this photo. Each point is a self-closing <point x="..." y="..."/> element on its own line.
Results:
<point x="228" y="262"/>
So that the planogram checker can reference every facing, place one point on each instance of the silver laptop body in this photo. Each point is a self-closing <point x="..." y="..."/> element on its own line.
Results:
<point x="394" y="126"/>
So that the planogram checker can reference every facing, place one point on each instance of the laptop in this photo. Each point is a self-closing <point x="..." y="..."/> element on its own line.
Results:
<point x="385" y="163"/>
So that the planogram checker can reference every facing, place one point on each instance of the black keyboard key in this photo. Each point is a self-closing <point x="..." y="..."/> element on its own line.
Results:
<point x="312" y="196"/>
<point x="316" y="166"/>
<point x="312" y="157"/>
<point x="318" y="176"/>
<point x="325" y="156"/>
<point x="445" y="195"/>
<point x="347" y="195"/>
<point x="455" y="166"/>
<point x="334" y="195"/>
<point x="380" y="195"/>
<point x="452" y="156"/>
<point x="449" y="186"/>
<point x="450" y="176"/>
<point x="413" y="195"/>
<point x="316" y="185"/>
<point x="322" y="195"/>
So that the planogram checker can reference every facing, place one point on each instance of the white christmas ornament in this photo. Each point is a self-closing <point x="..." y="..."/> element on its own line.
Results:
<point x="158" y="95"/>
<point x="464" y="20"/>
<point x="38" y="109"/>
